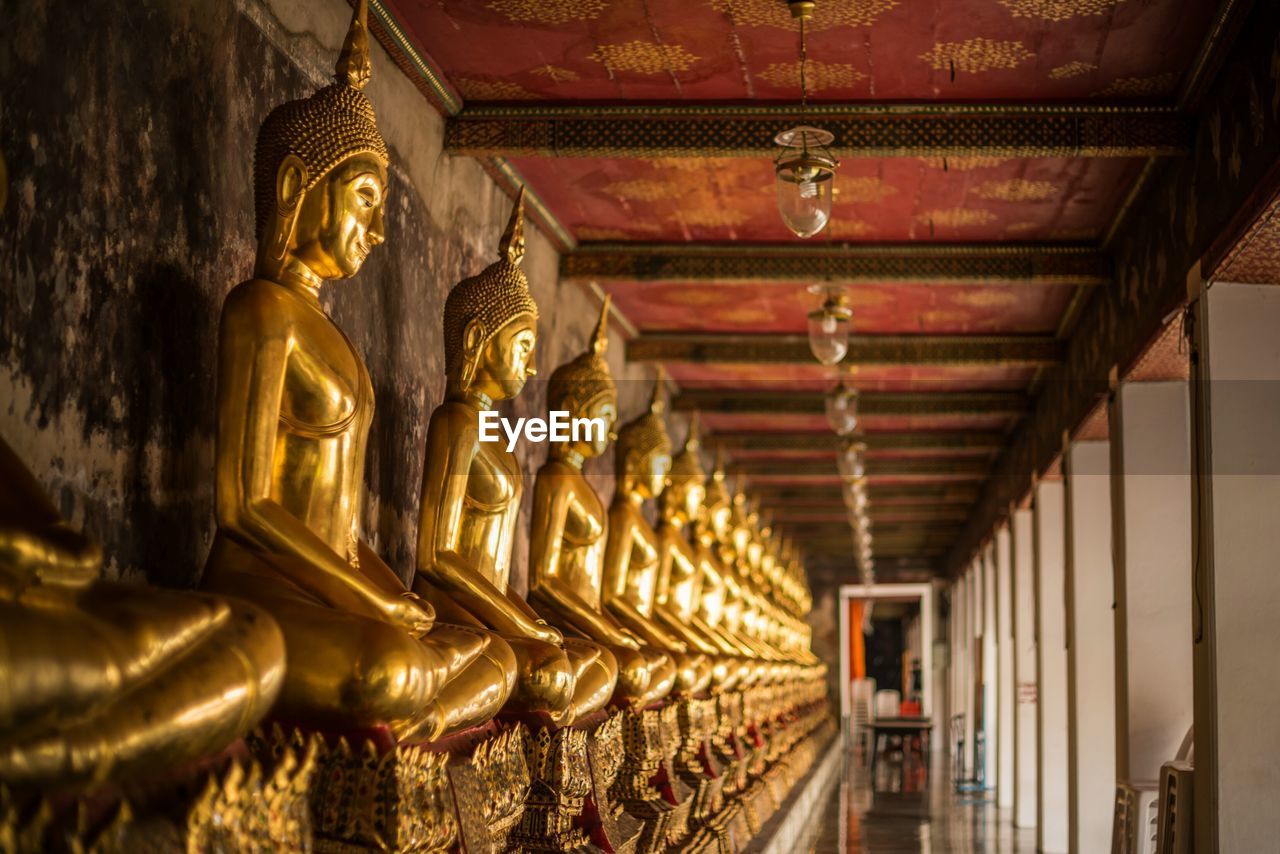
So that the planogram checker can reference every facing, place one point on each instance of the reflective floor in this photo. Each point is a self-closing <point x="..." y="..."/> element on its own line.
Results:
<point x="910" y="810"/>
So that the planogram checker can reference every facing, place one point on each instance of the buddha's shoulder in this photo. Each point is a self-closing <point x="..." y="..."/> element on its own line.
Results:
<point x="455" y="416"/>
<point x="263" y="299"/>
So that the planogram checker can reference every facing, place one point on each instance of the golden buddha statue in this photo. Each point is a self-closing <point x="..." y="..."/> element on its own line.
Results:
<point x="680" y="567"/>
<point x="471" y="493"/>
<point x="294" y="407"/>
<point x="102" y="681"/>
<point x="568" y="534"/>
<point x="632" y="554"/>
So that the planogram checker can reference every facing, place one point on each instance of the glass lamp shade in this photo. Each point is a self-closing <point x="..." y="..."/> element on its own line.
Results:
<point x="850" y="462"/>
<point x="842" y="409"/>
<point x="805" y="173"/>
<point x="829" y="331"/>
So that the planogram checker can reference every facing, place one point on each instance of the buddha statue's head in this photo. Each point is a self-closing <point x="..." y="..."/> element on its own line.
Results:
<point x="320" y="175"/>
<point x="740" y="519"/>
<point x="718" y="501"/>
<point x="491" y="323"/>
<point x="644" y="451"/>
<point x="685" y="496"/>
<point x="584" y="388"/>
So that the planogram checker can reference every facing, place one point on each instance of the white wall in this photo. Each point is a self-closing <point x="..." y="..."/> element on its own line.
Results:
<point x="1237" y="652"/>
<point x="1091" y="686"/>
<point x="990" y="670"/>
<point x="1151" y="530"/>
<point x="1025" y="670"/>
<point x="1005" y="683"/>
<point x="1051" y="810"/>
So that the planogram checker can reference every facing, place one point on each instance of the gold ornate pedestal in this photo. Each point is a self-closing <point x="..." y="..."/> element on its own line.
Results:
<point x="244" y="804"/>
<point x="467" y="792"/>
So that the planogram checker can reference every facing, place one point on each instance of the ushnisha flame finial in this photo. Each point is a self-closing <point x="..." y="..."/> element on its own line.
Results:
<point x="693" y="441"/>
<point x="355" y="68"/>
<point x="511" y="247"/>
<point x="658" y="405"/>
<point x="600" y="340"/>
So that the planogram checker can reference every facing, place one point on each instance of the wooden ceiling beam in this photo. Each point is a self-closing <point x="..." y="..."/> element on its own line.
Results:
<point x="869" y="403"/>
<point x="863" y="349"/>
<point x="847" y="264"/>
<point x="870" y="130"/>
<point x="939" y="493"/>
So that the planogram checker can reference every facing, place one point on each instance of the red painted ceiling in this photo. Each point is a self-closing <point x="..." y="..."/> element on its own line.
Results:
<point x="736" y="50"/>
<point x="877" y="309"/>
<point x="876" y="200"/>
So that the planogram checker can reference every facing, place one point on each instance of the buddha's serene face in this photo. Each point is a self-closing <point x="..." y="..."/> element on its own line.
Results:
<point x="507" y="361"/>
<point x="340" y="220"/>
<point x="651" y="472"/>
<point x="721" y="520"/>
<point x="695" y="493"/>
<point x="603" y="408"/>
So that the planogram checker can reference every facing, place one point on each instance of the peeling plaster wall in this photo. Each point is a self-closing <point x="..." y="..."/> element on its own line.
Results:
<point x="128" y="130"/>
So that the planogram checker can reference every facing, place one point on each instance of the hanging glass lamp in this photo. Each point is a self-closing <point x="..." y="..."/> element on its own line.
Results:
<point x="829" y="326"/>
<point x="842" y="409"/>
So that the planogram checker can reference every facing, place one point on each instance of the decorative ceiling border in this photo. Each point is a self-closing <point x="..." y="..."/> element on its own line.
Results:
<point x="708" y="131"/>
<point x="414" y="62"/>
<point x="987" y="264"/>
<point x="775" y="349"/>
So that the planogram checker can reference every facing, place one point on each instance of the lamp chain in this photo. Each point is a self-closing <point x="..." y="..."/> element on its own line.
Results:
<point x="804" y="60"/>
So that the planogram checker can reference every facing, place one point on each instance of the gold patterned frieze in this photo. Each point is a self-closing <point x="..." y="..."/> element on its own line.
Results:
<point x="768" y="13"/>
<point x="548" y="11"/>
<point x="712" y="217"/>
<point x="847" y="228"/>
<point x="1058" y="10"/>
<point x="976" y="55"/>
<point x="639" y="57"/>
<point x="1016" y="190"/>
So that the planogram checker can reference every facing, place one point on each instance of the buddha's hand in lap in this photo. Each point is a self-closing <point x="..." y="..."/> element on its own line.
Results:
<point x="410" y="613"/>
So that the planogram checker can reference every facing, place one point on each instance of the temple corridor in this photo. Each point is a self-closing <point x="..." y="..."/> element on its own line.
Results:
<point x="923" y="815"/>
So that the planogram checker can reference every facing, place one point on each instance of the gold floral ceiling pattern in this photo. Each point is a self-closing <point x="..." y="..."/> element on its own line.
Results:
<point x="646" y="190"/>
<point x="1058" y="10"/>
<point x="1139" y="87"/>
<point x="955" y="217"/>
<point x="964" y="164"/>
<point x="1071" y="69"/>
<point x="974" y="56"/>
<point x="773" y="13"/>
<point x="818" y="76"/>
<point x="861" y="188"/>
<point x="1016" y="190"/>
<point x="637" y="57"/>
<point x="549" y="11"/>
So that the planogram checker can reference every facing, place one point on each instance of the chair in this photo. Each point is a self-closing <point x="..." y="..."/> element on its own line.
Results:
<point x="862" y="694"/>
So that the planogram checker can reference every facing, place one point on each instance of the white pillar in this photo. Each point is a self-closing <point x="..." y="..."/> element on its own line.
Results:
<point x="990" y="711"/>
<point x="1236" y="416"/>
<point x="974" y="675"/>
<point x="1005" y="682"/>
<point x="1091" y="647"/>
<point x="1151" y="530"/>
<point x="1051" y="794"/>
<point x="1025" y="670"/>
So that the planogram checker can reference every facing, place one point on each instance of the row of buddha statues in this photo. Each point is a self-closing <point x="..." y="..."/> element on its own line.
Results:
<point x="297" y="617"/>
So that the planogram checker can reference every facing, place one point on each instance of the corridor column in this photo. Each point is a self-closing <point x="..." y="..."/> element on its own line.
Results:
<point x="990" y="671"/>
<point x="1025" y="669"/>
<point x="1051" y="792"/>
<point x="1236" y="423"/>
<point x="1151" y="530"/>
<point x="1006" y="686"/>
<point x="1091" y="688"/>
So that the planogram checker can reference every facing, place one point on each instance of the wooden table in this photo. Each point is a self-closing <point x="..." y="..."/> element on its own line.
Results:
<point x="905" y="727"/>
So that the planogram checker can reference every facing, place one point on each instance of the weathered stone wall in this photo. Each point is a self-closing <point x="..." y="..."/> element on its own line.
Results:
<point x="128" y="130"/>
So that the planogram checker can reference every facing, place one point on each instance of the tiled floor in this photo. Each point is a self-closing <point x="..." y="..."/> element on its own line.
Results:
<point x="910" y="811"/>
